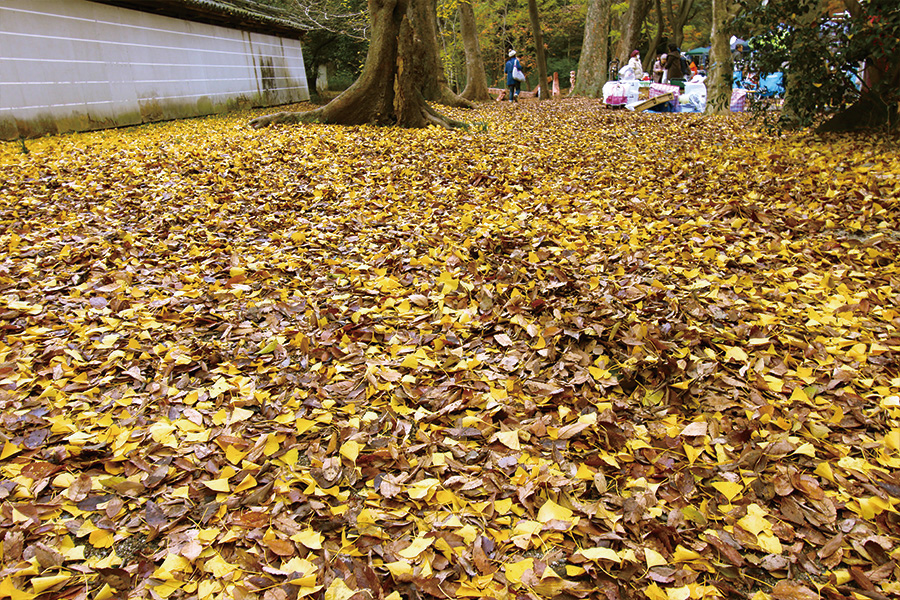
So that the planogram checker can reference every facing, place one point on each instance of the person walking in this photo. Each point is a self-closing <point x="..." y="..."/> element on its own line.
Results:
<point x="512" y="84"/>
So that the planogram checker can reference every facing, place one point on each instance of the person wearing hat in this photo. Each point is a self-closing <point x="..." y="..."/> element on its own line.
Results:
<point x="513" y="84"/>
<point x="635" y="63"/>
<point x="658" y="68"/>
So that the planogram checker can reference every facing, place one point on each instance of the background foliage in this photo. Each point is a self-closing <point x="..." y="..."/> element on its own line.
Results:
<point x="502" y="24"/>
<point x="824" y="48"/>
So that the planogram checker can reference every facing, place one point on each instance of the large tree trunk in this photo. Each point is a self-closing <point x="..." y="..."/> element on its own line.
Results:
<point x="592" y="69"/>
<point x="476" y="81"/>
<point x="872" y="110"/>
<point x="868" y="112"/>
<point x="389" y="89"/>
<point x="718" y="84"/>
<point x="631" y="31"/>
<point x="423" y="16"/>
<point x="539" y="48"/>
<point x="876" y="106"/>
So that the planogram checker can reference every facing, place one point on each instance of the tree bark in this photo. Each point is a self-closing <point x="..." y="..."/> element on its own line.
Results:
<point x="866" y="113"/>
<point x="718" y="84"/>
<point x="871" y="110"/>
<point x="476" y="80"/>
<point x="423" y="17"/>
<point x="539" y="49"/>
<point x="592" y="69"/>
<point x="650" y="55"/>
<point x="389" y="89"/>
<point x="678" y="19"/>
<point x="634" y="20"/>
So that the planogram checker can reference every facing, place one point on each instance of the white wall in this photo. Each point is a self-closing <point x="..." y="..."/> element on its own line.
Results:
<point x="73" y="65"/>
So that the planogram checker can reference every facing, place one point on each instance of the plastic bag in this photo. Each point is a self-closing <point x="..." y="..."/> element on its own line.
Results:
<point x="617" y="96"/>
<point x="693" y="102"/>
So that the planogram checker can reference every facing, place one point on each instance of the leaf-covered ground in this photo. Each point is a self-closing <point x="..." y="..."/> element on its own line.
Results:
<point x="569" y="353"/>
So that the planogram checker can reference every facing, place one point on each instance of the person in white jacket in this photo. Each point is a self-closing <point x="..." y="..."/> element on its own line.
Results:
<point x="635" y="63"/>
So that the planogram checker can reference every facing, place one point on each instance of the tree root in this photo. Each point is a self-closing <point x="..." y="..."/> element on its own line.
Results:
<point x="330" y="114"/>
<point x="436" y="118"/>
<point x="474" y="97"/>
<point x="444" y="122"/>
<point x="448" y="98"/>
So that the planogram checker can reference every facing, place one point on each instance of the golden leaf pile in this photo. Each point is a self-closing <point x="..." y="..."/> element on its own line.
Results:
<point x="569" y="353"/>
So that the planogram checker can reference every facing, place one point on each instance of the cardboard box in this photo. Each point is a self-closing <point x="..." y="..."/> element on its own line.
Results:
<point x="651" y="102"/>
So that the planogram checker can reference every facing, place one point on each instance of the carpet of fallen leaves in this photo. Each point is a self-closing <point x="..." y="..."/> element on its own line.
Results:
<point x="569" y="353"/>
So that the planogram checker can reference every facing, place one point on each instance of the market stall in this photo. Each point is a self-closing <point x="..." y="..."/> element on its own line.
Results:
<point x="632" y="94"/>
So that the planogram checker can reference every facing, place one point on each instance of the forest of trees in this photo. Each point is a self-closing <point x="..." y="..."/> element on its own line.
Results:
<point x="836" y="54"/>
<point x="339" y="34"/>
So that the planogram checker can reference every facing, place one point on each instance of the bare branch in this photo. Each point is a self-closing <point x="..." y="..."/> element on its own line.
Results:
<point x="316" y="16"/>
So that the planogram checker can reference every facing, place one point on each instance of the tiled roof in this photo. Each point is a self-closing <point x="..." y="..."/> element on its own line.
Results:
<point x="236" y="14"/>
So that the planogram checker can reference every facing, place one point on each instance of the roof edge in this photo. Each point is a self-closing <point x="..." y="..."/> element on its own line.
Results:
<point x="234" y="14"/>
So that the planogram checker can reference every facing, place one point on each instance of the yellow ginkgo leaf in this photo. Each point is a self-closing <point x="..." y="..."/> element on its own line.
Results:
<point x="736" y="354"/>
<point x="416" y="548"/>
<point x="515" y="570"/>
<point x="729" y="489"/>
<point x="422" y="489"/>
<point x="550" y="510"/>
<point x="309" y="538"/>
<point x="218" y="485"/>
<point x="41" y="584"/>
<point x="401" y="570"/>
<point x="219" y="387"/>
<point x="9" y="449"/>
<point x="248" y="482"/>
<point x="510" y="439"/>
<point x="338" y="590"/>
<point x="654" y="558"/>
<point x="600" y="553"/>
<point x="350" y="450"/>
<point x="755" y="520"/>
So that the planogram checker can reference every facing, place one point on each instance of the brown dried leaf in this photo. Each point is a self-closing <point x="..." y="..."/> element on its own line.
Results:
<point x="80" y="488"/>
<point x="793" y="590"/>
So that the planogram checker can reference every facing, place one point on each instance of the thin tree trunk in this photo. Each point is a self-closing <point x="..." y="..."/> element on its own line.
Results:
<point x="683" y="16"/>
<point x="539" y="47"/>
<point x="389" y="89"/>
<point x="650" y="56"/>
<point x="677" y="20"/>
<point x="671" y="12"/>
<point x="634" y="20"/>
<point x="720" y="68"/>
<point x="592" y="69"/>
<point x="476" y="81"/>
